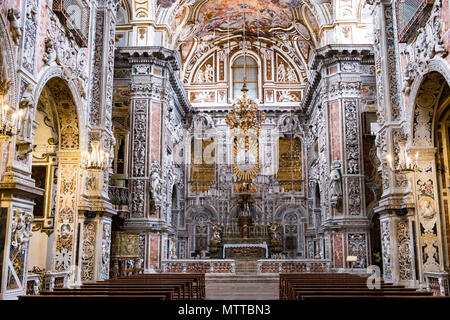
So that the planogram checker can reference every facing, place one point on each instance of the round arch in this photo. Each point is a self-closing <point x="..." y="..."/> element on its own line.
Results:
<point x="425" y="99"/>
<point x="7" y="62"/>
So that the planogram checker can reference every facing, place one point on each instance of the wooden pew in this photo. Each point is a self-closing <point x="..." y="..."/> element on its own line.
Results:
<point x="142" y="286"/>
<point x="306" y="286"/>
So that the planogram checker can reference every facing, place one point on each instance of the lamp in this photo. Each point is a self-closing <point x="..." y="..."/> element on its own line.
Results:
<point x="244" y="112"/>
<point x="405" y="164"/>
<point x="96" y="159"/>
<point x="9" y="126"/>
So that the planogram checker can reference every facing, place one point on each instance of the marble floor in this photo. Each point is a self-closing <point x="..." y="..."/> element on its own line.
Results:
<point x="241" y="286"/>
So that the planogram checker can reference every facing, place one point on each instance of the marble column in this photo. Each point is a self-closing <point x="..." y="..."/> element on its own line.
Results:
<point x="95" y="210"/>
<point x="396" y="201"/>
<point x="157" y="102"/>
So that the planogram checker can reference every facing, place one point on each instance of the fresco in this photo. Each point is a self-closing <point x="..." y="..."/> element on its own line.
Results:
<point x="260" y="15"/>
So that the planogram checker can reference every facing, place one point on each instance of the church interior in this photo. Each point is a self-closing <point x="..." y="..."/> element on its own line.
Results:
<point x="294" y="149"/>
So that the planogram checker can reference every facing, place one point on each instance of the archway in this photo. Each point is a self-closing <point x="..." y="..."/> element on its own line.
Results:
<point x="429" y="139"/>
<point x="55" y="167"/>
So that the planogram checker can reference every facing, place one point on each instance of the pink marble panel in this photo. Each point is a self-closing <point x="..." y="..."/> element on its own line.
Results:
<point x="155" y="133"/>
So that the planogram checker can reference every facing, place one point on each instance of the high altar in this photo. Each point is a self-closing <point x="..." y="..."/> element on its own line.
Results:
<point x="245" y="239"/>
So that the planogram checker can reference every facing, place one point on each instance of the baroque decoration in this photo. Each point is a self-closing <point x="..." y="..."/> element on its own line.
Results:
<point x="152" y="136"/>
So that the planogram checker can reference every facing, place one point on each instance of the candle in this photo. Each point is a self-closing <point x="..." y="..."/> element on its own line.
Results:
<point x="4" y="112"/>
<point x="389" y="159"/>
<point x="19" y="124"/>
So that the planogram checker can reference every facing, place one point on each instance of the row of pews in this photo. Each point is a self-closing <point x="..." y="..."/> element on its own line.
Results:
<point x="135" y="287"/>
<point x="341" y="286"/>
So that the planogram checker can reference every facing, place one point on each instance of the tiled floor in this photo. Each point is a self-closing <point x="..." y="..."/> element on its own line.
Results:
<point x="242" y="287"/>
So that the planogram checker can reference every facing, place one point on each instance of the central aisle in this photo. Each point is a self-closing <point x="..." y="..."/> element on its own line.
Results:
<point x="242" y="287"/>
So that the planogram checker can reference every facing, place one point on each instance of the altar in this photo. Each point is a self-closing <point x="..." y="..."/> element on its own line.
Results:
<point x="245" y="250"/>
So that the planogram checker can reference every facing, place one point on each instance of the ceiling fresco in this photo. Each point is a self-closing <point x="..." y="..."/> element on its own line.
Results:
<point x="260" y="15"/>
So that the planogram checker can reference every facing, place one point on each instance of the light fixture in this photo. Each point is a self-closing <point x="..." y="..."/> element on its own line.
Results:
<point x="96" y="159"/>
<point x="244" y="114"/>
<point x="405" y="164"/>
<point x="9" y="126"/>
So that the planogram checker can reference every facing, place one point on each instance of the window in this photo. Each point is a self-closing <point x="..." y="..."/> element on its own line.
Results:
<point x="74" y="15"/>
<point x="251" y="71"/>
<point x="410" y="14"/>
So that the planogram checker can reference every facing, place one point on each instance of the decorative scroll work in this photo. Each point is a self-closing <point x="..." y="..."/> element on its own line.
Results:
<point x="140" y="137"/>
<point x="352" y="136"/>
<point x="96" y="81"/>
<point x="65" y="216"/>
<point x="386" y="250"/>
<point x="427" y="45"/>
<point x="158" y="184"/>
<point x="428" y="219"/>
<point x="62" y="51"/>
<point x="137" y="198"/>
<point x="30" y="36"/>
<point x="88" y="256"/>
<point x="357" y="246"/>
<point x="354" y="196"/>
<point x="106" y="248"/>
<point x="391" y="37"/>
<point x="404" y="251"/>
<point x="20" y="237"/>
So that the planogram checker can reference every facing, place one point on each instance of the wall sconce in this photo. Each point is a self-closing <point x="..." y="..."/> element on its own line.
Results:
<point x="96" y="159"/>
<point x="405" y="164"/>
<point x="9" y="126"/>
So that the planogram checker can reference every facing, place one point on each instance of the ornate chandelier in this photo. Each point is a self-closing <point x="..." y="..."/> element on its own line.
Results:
<point x="96" y="159"/>
<point x="244" y="113"/>
<point x="405" y="163"/>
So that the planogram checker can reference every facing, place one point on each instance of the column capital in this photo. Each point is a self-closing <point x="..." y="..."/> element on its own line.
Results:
<point x="160" y="56"/>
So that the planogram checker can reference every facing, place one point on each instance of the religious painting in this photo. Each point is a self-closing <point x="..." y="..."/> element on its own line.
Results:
<point x="290" y="164"/>
<point x="202" y="169"/>
<point x="39" y="174"/>
<point x="288" y="96"/>
<point x="259" y="15"/>
<point x="202" y="96"/>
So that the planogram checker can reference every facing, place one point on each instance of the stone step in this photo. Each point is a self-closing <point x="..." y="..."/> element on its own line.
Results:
<point x="241" y="287"/>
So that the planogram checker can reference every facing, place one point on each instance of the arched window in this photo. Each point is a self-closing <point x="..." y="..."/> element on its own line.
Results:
<point x="251" y="69"/>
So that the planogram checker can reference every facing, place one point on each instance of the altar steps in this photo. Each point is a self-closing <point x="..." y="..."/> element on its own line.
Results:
<point x="241" y="287"/>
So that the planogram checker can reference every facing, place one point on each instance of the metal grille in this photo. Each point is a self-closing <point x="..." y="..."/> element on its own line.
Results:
<point x="74" y="15"/>
<point x="409" y="15"/>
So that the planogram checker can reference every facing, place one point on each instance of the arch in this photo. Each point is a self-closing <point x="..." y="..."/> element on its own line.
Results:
<point x="7" y="62"/>
<point x="192" y="211"/>
<point x="57" y="92"/>
<point x="284" y="209"/>
<point x="438" y="65"/>
<point x="259" y="74"/>
<point x="58" y="73"/>
<point x="425" y="100"/>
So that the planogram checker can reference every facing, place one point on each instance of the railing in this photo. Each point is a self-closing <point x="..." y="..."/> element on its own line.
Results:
<point x="33" y="283"/>
<point x="74" y="15"/>
<point x="54" y="280"/>
<point x="118" y="195"/>
<point x="199" y="266"/>
<point x="46" y="281"/>
<point x="293" y="265"/>
<point x="437" y="283"/>
<point x="255" y="232"/>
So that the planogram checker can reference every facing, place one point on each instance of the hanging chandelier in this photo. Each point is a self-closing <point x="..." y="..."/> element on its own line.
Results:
<point x="96" y="159"/>
<point x="244" y="113"/>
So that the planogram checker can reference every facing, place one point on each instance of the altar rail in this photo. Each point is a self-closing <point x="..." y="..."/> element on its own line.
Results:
<point x="293" y="265"/>
<point x="199" y="266"/>
<point x="438" y="283"/>
<point x="46" y="281"/>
